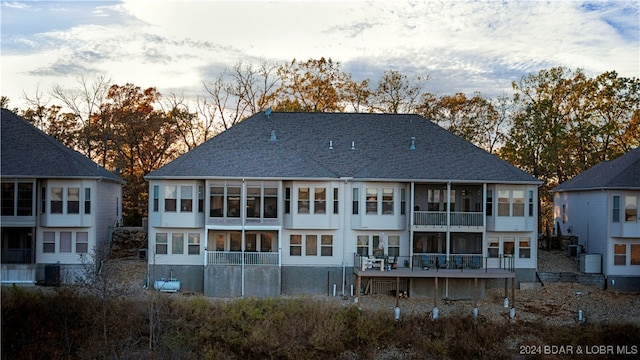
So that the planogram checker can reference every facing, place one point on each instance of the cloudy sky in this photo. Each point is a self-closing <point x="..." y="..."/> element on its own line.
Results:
<point x="464" y="46"/>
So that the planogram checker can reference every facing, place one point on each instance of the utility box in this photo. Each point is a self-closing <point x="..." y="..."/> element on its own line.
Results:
<point x="574" y="250"/>
<point x="591" y="263"/>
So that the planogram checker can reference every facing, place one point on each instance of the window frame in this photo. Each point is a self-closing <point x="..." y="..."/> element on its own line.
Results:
<point x="170" y="198"/>
<point x="49" y="242"/>
<point x="304" y="200"/>
<point x="162" y="241"/>
<point x="186" y="198"/>
<point x="82" y="242"/>
<point x="619" y="254"/>
<point x="193" y="247"/>
<point x="73" y="200"/>
<point x="320" y="200"/>
<point x="326" y="245"/>
<point x="295" y="247"/>
<point x="56" y="200"/>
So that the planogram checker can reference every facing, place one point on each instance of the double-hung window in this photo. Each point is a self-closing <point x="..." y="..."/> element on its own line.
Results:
<point x="73" y="200"/>
<point x="170" y="198"/>
<point x="56" y="200"/>
<point x="194" y="244"/>
<point x="372" y="201"/>
<point x="320" y="201"/>
<point x="186" y="199"/>
<point x="326" y="246"/>
<point x="161" y="243"/>
<point x="87" y="200"/>
<point x="630" y="209"/>
<point x="303" y="200"/>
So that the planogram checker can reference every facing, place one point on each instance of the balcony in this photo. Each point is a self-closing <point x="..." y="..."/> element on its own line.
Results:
<point x="241" y="258"/>
<point x="439" y="218"/>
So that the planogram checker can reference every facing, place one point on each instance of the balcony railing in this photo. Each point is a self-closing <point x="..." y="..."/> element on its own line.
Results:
<point x="237" y="257"/>
<point x="439" y="218"/>
<point x="17" y="256"/>
<point x="460" y="261"/>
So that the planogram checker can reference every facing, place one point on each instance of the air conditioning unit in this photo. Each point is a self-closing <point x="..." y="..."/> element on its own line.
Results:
<point x="591" y="263"/>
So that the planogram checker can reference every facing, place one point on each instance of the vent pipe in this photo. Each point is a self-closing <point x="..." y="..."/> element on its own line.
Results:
<point x="330" y="144"/>
<point x="353" y="145"/>
<point x="413" y="143"/>
<point x="273" y="137"/>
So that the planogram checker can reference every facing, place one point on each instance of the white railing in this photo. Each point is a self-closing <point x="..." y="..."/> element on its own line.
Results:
<point x="439" y="218"/>
<point x="236" y="258"/>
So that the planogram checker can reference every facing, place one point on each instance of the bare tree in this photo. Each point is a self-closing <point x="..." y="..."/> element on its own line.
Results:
<point x="397" y="93"/>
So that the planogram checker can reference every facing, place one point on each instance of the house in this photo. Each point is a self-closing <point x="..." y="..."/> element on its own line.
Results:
<point x="57" y="205"/>
<point x="600" y="207"/>
<point x="310" y="203"/>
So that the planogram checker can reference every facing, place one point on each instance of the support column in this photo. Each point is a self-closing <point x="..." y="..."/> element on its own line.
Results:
<point x="357" y="293"/>
<point x="397" y="291"/>
<point x="435" y="294"/>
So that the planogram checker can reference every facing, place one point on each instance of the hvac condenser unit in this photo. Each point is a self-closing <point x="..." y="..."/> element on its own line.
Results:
<point x="591" y="263"/>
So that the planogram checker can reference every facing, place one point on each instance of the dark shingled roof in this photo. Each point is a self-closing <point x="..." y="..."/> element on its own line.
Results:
<point x="28" y="152"/>
<point x="620" y="173"/>
<point x="302" y="151"/>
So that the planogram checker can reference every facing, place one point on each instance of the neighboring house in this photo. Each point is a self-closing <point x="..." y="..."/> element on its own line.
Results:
<point x="600" y="207"/>
<point x="297" y="203"/>
<point x="57" y="205"/>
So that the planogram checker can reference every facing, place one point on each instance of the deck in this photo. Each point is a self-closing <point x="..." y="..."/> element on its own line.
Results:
<point x="405" y="272"/>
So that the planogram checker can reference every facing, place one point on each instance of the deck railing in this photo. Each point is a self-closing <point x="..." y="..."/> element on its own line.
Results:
<point x="461" y="262"/>
<point x="17" y="256"/>
<point x="439" y="218"/>
<point x="237" y="257"/>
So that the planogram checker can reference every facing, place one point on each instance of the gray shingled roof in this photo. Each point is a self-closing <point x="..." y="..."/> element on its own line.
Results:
<point x="28" y="152"/>
<point x="381" y="151"/>
<point x="620" y="173"/>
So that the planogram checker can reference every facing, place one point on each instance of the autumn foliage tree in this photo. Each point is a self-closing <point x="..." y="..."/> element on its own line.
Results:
<point x="136" y="139"/>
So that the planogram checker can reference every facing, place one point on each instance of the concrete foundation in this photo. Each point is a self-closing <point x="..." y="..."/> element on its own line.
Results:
<point x="190" y="276"/>
<point x="227" y="281"/>
<point x="301" y="280"/>
<point x="623" y="283"/>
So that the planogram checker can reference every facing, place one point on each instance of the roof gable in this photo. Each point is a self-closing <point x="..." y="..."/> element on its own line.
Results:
<point x="335" y="145"/>
<point x="29" y="152"/>
<point x="620" y="173"/>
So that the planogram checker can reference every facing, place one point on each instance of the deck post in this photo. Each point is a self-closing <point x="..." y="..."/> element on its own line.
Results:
<point x="475" y="292"/>
<point x="397" y="291"/>
<point x="506" y="287"/>
<point x="513" y="292"/>
<point x="357" y="293"/>
<point x="435" y="292"/>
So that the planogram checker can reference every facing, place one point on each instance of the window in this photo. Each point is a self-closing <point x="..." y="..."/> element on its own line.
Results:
<point x="266" y="240"/>
<point x="220" y="240"/>
<point x="170" y="198"/>
<point x="65" y="242"/>
<point x="295" y="245"/>
<point x="518" y="203"/>
<point x="73" y="201"/>
<point x="363" y="245"/>
<point x="186" y="199"/>
<point x="620" y="254"/>
<point x="378" y="246"/>
<point x="503" y="203"/>
<point x="320" y="201"/>
<point x="303" y="200"/>
<point x="466" y="243"/>
<point x="530" y="202"/>
<point x="25" y="199"/>
<point x="564" y="213"/>
<point x="434" y="243"/>
<point x="216" y="201"/>
<point x="616" y="209"/>
<point x="156" y="196"/>
<point x="355" y="202"/>
<point x="49" y="242"/>
<point x="200" y="199"/>
<point x="233" y="201"/>
<point x="326" y="247"/>
<point x="194" y="244"/>
<point x="161" y="243"/>
<point x="434" y="199"/>
<point x="403" y="201"/>
<point x="236" y="241"/>
<point x="56" y="200"/>
<point x="43" y="203"/>
<point x="635" y="254"/>
<point x="253" y="202"/>
<point x="287" y="200"/>
<point x="394" y="245"/>
<point x="494" y="247"/>
<point x="251" y="243"/>
<point x="630" y="209"/>
<point x="524" y="245"/>
<point x="82" y="242"/>
<point x="311" y="245"/>
<point x="372" y="201"/>
<point x="387" y="201"/>
<point x="270" y="203"/>
<point x="336" y="201"/>
<point x="8" y="199"/>
<point x="177" y="243"/>
<point x="508" y="247"/>
<point x="490" y="203"/>
<point x="87" y="201"/>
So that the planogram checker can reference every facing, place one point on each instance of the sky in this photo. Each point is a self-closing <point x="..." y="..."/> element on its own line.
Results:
<point x="463" y="46"/>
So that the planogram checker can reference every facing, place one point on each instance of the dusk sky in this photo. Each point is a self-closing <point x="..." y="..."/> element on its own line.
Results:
<point x="464" y="46"/>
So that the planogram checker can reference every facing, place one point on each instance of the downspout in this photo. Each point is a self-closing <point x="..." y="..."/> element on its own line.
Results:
<point x="242" y="221"/>
<point x="448" y="235"/>
<point x="411" y="222"/>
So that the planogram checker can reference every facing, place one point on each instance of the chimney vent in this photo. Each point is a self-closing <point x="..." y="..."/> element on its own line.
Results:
<point x="330" y="144"/>
<point x="273" y="137"/>
<point x="353" y="145"/>
<point x="413" y="143"/>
